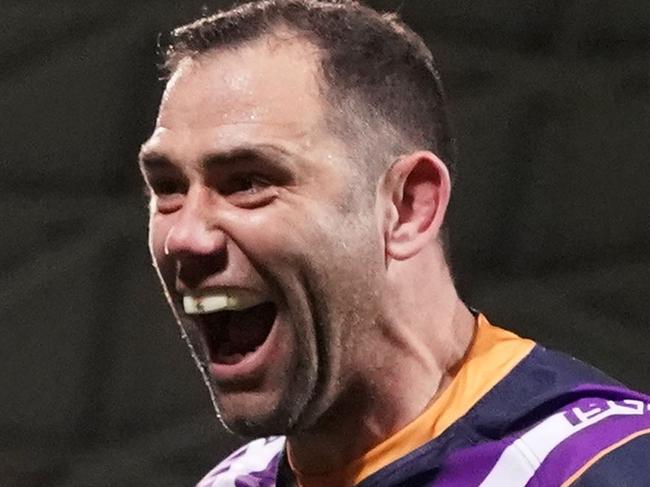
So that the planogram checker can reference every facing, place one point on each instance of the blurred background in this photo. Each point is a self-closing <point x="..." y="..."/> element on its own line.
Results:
<point x="551" y="234"/>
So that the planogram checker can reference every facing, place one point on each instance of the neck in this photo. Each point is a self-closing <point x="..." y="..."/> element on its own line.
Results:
<point x="423" y="340"/>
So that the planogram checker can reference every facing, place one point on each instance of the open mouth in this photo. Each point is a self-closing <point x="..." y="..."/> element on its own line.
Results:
<point x="231" y="335"/>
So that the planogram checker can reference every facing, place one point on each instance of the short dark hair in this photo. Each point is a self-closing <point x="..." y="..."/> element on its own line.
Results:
<point x="380" y="80"/>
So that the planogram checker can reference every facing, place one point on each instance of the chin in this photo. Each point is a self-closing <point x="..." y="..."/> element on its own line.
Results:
<point x="250" y="419"/>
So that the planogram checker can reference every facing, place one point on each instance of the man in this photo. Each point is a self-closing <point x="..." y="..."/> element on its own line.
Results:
<point x="300" y="170"/>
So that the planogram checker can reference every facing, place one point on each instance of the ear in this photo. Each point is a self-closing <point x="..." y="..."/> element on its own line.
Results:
<point x="416" y="190"/>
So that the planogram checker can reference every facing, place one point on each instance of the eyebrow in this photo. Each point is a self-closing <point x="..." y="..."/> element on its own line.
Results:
<point x="152" y="161"/>
<point x="264" y="153"/>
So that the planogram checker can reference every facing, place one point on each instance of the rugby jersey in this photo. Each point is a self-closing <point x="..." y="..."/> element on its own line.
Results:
<point x="515" y="415"/>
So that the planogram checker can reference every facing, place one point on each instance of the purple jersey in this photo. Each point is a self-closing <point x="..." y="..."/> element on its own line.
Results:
<point x="551" y="421"/>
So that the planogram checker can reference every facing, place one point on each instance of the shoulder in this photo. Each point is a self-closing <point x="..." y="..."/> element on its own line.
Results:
<point x="584" y="437"/>
<point x="255" y="463"/>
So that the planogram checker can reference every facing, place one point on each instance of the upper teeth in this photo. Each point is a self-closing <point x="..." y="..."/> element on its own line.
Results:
<point x="234" y="299"/>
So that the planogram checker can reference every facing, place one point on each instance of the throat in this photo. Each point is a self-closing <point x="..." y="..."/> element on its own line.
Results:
<point x="366" y="431"/>
<point x="337" y="442"/>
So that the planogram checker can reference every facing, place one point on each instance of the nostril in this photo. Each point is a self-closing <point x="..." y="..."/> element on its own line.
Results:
<point x="193" y="270"/>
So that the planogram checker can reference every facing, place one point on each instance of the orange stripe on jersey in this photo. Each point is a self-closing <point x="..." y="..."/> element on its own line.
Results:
<point x="494" y="352"/>
<point x="601" y="454"/>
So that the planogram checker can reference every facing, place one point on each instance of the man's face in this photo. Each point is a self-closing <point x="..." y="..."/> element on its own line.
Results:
<point x="266" y="247"/>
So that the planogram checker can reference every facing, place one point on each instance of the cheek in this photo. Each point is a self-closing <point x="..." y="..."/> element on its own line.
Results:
<point x="269" y="235"/>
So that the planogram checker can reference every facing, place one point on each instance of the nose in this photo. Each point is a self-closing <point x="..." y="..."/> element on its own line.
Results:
<point x="196" y="242"/>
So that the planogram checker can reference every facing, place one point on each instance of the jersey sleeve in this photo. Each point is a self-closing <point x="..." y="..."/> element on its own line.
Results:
<point x="565" y="446"/>
<point x="625" y="463"/>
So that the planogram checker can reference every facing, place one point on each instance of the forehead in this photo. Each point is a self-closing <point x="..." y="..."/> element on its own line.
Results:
<point x="268" y="87"/>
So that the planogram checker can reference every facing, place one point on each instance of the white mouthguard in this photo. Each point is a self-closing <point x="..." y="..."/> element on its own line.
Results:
<point x="211" y="303"/>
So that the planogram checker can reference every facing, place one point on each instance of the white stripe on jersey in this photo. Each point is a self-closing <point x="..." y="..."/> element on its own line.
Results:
<point x="519" y="462"/>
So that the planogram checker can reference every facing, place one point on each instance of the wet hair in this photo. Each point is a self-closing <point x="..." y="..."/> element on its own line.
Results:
<point x="384" y="93"/>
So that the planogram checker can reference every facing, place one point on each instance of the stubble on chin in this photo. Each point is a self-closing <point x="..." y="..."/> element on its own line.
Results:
<point x="260" y="416"/>
<point x="272" y="413"/>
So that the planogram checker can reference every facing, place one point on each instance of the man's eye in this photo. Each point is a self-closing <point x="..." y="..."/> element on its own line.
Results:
<point x="249" y="191"/>
<point x="165" y="187"/>
<point x="246" y="183"/>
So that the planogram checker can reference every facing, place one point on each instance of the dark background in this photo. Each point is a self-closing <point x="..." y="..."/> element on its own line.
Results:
<point x="551" y="101"/>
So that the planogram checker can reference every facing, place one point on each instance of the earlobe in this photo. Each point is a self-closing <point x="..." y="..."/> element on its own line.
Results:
<point x="419" y="189"/>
